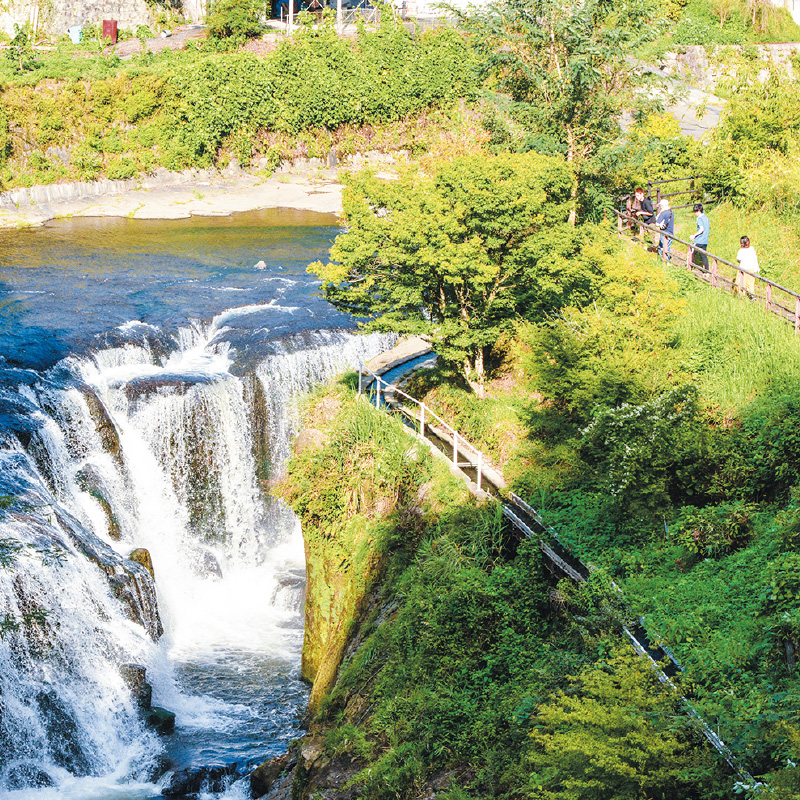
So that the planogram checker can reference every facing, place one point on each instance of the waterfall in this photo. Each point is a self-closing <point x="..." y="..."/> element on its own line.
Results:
<point x="130" y="448"/>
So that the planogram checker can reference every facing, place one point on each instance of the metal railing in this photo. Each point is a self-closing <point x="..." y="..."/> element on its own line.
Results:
<point x="423" y="421"/>
<point x="528" y="521"/>
<point x="777" y="299"/>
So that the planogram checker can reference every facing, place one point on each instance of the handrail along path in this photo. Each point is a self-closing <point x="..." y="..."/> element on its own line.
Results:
<point x="484" y="479"/>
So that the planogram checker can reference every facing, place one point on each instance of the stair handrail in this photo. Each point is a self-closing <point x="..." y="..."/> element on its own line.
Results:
<point x="719" y="281"/>
<point x="426" y="413"/>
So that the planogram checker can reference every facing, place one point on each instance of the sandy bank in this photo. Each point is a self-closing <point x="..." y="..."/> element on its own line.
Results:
<point x="179" y="195"/>
<point x="308" y="185"/>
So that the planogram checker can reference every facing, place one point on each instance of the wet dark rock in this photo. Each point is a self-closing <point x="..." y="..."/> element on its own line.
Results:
<point x="89" y="481"/>
<point x="135" y="676"/>
<point x="291" y="589"/>
<point x="160" y="720"/>
<point x="264" y="776"/>
<point x="109" y="435"/>
<point x="130" y="583"/>
<point x="142" y="556"/>
<point x="174" y="384"/>
<point x="260" y="422"/>
<point x="204" y="562"/>
<point x="191" y="783"/>
<point x="27" y="776"/>
<point x="62" y="734"/>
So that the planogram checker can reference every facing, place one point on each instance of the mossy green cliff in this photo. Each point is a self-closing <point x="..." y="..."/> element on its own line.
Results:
<point x="445" y="660"/>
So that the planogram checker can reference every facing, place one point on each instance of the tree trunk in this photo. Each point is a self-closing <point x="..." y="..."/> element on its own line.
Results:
<point x="573" y="196"/>
<point x="475" y="373"/>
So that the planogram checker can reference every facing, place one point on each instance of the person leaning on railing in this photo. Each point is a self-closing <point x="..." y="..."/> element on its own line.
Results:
<point x="665" y="221"/>
<point x="701" y="236"/>
<point x="748" y="266"/>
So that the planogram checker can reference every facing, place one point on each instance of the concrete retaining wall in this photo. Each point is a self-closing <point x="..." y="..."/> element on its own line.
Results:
<point x="55" y="16"/>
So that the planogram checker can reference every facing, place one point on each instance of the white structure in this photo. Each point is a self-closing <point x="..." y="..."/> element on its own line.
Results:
<point x="429" y="9"/>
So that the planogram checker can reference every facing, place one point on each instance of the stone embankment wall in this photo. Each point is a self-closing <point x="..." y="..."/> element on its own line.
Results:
<point x="56" y="16"/>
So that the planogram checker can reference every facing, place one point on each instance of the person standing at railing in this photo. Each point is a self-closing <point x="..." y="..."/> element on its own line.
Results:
<point x="748" y="266"/>
<point x="701" y="237"/>
<point x="665" y="221"/>
<point x="645" y="213"/>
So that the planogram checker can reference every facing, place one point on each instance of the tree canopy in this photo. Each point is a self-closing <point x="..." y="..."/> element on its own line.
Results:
<point x="458" y="254"/>
<point x="569" y="65"/>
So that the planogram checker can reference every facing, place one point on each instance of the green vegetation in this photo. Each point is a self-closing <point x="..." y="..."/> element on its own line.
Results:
<point x="468" y="673"/>
<point x="199" y="109"/>
<point x="569" y="72"/>
<point x="458" y="254"/>
<point x="732" y="22"/>
<point x="232" y="22"/>
<point x="653" y="422"/>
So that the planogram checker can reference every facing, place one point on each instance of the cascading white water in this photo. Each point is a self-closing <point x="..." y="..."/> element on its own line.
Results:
<point x="132" y="451"/>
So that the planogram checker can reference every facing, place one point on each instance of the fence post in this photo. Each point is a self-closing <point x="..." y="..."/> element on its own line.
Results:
<point x="650" y="188"/>
<point x="714" y="272"/>
<point x="377" y="392"/>
<point x="360" y="368"/>
<point x="455" y="448"/>
<point x="769" y="297"/>
<point x="422" y="421"/>
<point x="797" y="315"/>
<point x="689" y="252"/>
<point x="480" y="468"/>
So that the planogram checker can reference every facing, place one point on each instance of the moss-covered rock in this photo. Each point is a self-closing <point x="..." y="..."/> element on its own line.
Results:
<point x="353" y="485"/>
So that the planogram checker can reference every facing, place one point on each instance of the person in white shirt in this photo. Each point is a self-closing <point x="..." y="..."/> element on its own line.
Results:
<point x="748" y="266"/>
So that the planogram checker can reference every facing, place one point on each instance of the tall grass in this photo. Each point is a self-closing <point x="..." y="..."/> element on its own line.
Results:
<point x="734" y="350"/>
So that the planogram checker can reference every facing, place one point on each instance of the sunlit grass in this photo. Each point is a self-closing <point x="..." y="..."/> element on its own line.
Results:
<point x="776" y="239"/>
<point x="734" y="349"/>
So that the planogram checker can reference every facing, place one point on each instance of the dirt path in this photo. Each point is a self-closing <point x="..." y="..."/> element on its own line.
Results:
<point x="177" y="41"/>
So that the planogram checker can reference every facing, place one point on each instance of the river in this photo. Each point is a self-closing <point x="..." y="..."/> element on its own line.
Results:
<point x="148" y="386"/>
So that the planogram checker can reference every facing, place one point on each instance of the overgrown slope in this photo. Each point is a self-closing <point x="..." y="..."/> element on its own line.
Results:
<point x="197" y="109"/>
<point x="465" y="672"/>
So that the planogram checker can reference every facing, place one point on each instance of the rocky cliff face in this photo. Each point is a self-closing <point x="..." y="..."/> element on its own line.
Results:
<point x="365" y="493"/>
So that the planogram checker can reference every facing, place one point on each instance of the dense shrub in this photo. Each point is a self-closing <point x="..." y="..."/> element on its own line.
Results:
<point x="187" y="108"/>
<point x="234" y="21"/>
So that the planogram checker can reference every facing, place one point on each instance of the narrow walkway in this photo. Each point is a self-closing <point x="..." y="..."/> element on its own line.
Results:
<point x="720" y="274"/>
<point x="483" y="480"/>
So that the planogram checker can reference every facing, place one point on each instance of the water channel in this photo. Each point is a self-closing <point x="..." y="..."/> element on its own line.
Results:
<point x="149" y="377"/>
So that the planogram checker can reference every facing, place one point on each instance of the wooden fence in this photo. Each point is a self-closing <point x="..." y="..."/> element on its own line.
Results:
<point x="694" y="189"/>
<point x="722" y="274"/>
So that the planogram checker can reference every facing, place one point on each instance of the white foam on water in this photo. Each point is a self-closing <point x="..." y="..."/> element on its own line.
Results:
<point x="183" y="484"/>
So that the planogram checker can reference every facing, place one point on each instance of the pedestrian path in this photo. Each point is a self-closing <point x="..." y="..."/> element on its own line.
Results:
<point x="379" y="384"/>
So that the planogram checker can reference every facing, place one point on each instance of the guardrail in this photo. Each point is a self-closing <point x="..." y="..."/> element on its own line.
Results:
<point x="777" y="299"/>
<point x="529" y="522"/>
<point x="426" y="415"/>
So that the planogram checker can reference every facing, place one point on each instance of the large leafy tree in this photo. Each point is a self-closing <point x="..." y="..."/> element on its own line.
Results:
<point x="457" y="254"/>
<point x="569" y="65"/>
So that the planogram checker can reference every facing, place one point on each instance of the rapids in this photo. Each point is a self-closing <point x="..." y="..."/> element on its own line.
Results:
<point x="148" y="388"/>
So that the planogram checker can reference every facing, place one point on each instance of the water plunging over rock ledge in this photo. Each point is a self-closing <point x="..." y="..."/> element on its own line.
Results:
<point x="127" y="450"/>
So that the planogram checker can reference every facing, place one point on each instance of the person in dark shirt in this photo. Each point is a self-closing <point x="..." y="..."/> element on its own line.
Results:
<point x="645" y="212"/>
<point x="665" y="221"/>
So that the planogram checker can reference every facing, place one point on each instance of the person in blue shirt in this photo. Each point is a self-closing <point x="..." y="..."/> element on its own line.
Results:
<point x="665" y="221"/>
<point x="700" y="238"/>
